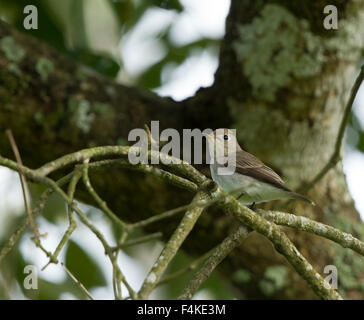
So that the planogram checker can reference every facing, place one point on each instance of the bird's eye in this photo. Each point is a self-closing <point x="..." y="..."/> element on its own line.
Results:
<point x="226" y="137"/>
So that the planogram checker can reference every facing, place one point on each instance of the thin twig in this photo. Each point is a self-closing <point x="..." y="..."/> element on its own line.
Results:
<point x="25" y="191"/>
<point x="140" y="240"/>
<point x="24" y="186"/>
<point x="281" y="243"/>
<point x="38" y="208"/>
<point x="171" y="213"/>
<point x="220" y="252"/>
<point x="150" y="138"/>
<point x="148" y="169"/>
<point x="35" y="176"/>
<point x="77" y="281"/>
<point x="71" y="219"/>
<point x="171" y="247"/>
<point x="225" y="201"/>
<point x="182" y="167"/>
<point x="192" y="266"/>
<point x="116" y="279"/>
<point x="335" y="157"/>
<point x="102" y="204"/>
<point x="108" y="250"/>
<point x="161" y="216"/>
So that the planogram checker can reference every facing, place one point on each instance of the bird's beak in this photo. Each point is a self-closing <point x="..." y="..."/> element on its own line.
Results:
<point x="208" y="136"/>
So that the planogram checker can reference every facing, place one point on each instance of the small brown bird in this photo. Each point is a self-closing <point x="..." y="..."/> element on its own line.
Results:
<point x="253" y="181"/>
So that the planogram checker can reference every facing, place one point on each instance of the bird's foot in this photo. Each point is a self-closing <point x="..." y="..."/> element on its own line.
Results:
<point x="252" y="206"/>
<point x="240" y="195"/>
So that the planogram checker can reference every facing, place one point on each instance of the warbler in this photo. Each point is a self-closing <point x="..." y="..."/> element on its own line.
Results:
<point x="251" y="181"/>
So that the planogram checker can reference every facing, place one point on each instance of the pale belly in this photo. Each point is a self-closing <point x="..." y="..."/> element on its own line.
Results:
<point x="247" y="189"/>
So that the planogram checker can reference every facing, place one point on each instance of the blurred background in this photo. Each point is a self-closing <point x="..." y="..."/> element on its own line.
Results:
<point x="168" y="46"/>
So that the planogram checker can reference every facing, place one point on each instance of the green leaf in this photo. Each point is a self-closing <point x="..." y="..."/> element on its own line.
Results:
<point x="242" y="276"/>
<point x="101" y="63"/>
<point x="48" y="290"/>
<point x="54" y="209"/>
<point x="78" y="29"/>
<point x="123" y="9"/>
<point x="47" y="31"/>
<point x="151" y="78"/>
<point x="360" y="144"/>
<point x="83" y="267"/>
<point x="129" y="12"/>
<point x="168" y="4"/>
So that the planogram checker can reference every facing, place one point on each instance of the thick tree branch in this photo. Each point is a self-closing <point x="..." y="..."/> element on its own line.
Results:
<point x="172" y="246"/>
<point x="154" y="171"/>
<point x="281" y="243"/>
<point x="346" y="240"/>
<point x="225" y="201"/>
<point x="301" y="123"/>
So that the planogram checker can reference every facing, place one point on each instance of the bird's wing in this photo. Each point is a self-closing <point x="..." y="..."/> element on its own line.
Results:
<point x="249" y="165"/>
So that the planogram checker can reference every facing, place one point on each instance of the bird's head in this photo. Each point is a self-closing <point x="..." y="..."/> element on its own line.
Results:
<point x="223" y="142"/>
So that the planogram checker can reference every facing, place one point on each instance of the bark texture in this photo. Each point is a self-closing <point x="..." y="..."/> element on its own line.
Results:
<point x="283" y="81"/>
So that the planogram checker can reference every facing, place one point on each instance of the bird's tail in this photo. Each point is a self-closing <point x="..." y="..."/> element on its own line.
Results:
<point x="301" y="197"/>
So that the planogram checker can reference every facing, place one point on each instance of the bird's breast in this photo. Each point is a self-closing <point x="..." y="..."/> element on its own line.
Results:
<point x="232" y="182"/>
<point x="248" y="189"/>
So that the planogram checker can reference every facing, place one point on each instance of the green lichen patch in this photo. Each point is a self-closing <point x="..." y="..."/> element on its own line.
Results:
<point x="275" y="48"/>
<point x="350" y="265"/>
<point x="80" y="74"/>
<point x="13" y="68"/>
<point x="82" y="114"/>
<point x="348" y="40"/>
<point x="44" y="67"/>
<point x="350" y="268"/>
<point x="13" y="51"/>
<point x="38" y="117"/>
<point x="275" y="278"/>
<point x="100" y="107"/>
<point x="242" y="276"/>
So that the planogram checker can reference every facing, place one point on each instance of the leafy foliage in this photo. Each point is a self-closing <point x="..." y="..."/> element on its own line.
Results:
<point x="356" y="133"/>
<point x="83" y="267"/>
<point x="68" y="34"/>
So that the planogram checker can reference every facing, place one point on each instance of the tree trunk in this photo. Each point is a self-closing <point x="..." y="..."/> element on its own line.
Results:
<point x="283" y="81"/>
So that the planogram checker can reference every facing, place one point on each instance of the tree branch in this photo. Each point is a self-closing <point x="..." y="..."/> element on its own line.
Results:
<point x="172" y="246"/>
<point x="224" y="200"/>
<point x="77" y="281"/>
<point x="281" y="243"/>
<point x="71" y="218"/>
<point x="143" y="239"/>
<point x="146" y="168"/>
<point x="24" y="188"/>
<point x="127" y="108"/>
<point x="346" y="240"/>
<point x="102" y="204"/>
<point x="192" y="266"/>
<point x="335" y="157"/>
<point x="36" y="211"/>
<point x="219" y="253"/>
